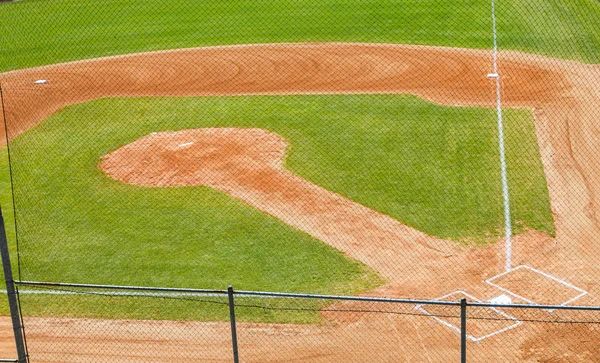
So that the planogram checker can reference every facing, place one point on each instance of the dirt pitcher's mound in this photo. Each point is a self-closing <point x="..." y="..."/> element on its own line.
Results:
<point x="196" y="157"/>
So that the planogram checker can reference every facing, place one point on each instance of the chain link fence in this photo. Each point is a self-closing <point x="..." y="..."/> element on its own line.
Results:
<point x="165" y="325"/>
<point x="441" y="154"/>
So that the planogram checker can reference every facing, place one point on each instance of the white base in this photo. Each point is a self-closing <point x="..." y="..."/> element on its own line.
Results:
<point x="501" y="300"/>
<point x="457" y="329"/>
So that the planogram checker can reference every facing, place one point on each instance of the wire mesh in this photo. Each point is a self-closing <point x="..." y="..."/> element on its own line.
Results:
<point x="364" y="331"/>
<point x="91" y="325"/>
<point x="559" y="335"/>
<point x="76" y="325"/>
<point x="375" y="162"/>
<point x="422" y="149"/>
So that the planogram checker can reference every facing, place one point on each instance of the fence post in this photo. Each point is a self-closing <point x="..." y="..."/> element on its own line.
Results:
<point x="236" y="358"/>
<point x="12" y="294"/>
<point x="463" y="330"/>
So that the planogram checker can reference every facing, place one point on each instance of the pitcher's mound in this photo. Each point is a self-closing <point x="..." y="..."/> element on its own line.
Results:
<point x="208" y="156"/>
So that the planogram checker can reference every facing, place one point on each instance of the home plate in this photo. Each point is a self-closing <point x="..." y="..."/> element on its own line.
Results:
<point x="501" y="300"/>
<point x="40" y="81"/>
<point x="482" y="322"/>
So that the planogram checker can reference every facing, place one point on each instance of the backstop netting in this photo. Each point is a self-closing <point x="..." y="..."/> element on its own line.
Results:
<point x="418" y="150"/>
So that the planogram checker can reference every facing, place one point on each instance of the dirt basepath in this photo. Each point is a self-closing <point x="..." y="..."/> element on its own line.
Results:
<point x="566" y="99"/>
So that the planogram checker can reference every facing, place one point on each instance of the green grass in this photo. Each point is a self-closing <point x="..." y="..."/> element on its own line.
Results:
<point x="7" y="213"/>
<point x="77" y="225"/>
<point x="36" y="32"/>
<point x="432" y="167"/>
<point x="99" y="305"/>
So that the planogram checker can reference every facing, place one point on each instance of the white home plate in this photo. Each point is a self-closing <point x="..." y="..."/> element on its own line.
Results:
<point x="501" y="300"/>
<point x="41" y="81"/>
<point x="482" y="322"/>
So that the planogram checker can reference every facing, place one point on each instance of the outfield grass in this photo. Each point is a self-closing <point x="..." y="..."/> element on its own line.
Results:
<point x="36" y="32"/>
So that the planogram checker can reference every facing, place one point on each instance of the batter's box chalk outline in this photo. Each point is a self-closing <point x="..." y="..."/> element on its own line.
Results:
<point x="517" y="322"/>
<point x="580" y="292"/>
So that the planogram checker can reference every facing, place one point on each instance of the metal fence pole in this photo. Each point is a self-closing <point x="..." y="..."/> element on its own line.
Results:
<point x="236" y="358"/>
<point x="463" y="330"/>
<point x="12" y="294"/>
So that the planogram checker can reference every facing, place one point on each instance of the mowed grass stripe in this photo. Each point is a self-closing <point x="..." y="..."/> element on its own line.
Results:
<point x="434" y="168"/>
<point x="36" y="32"/>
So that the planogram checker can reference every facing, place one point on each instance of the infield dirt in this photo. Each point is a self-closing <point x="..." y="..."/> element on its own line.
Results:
<point x="564" y="95"/>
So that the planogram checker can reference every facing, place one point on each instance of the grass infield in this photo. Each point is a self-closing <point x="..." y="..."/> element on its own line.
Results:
<point x="395" y="154"/>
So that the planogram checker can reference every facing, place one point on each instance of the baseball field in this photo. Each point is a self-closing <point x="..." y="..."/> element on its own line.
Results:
<point x="297" y="146"/>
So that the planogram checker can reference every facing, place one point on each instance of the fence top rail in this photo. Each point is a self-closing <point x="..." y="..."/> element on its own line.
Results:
<point x="418" y="302"/>
<point x="305" y="296"/>
<point x="348" y="298"/>
<point x="236" y="292"/>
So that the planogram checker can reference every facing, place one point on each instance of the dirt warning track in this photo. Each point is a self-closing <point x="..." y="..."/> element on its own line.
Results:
<point x="565" y="96"/>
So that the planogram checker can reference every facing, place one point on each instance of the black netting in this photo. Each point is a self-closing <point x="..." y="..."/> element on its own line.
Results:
<point x="424" y="149"/>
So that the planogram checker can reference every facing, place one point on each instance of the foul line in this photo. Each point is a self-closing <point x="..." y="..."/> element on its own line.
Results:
<point x="505" y="194"/>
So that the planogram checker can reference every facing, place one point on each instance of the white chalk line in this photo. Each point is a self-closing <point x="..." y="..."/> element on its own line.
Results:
<point x="457" y="329"/>
<point x="505" y="193"/>
<point x="581" y="291"/>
